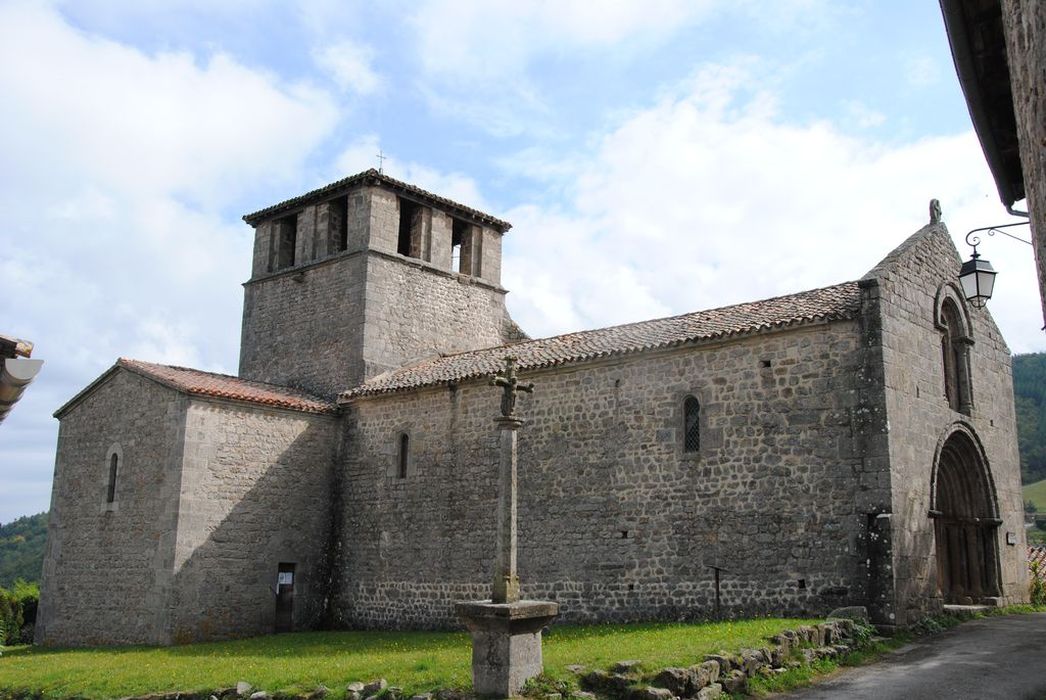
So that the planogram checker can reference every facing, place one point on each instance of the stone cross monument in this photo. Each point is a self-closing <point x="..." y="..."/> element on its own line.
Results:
<point x="506" y="582"/>
<point x="506" y="631"/>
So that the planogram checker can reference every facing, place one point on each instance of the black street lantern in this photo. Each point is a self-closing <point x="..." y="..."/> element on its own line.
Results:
<point x="977" y="276"/>
<point x="977" y="279"/>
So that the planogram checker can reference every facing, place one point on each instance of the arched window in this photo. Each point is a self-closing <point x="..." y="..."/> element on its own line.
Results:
<point x="403" y="458"/>
<point x="691" y="425"/>
<point x="955" y="358"/>
<point x="114" y="466"/>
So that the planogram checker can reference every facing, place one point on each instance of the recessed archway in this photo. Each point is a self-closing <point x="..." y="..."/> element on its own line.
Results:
<point x="966" y="521"/>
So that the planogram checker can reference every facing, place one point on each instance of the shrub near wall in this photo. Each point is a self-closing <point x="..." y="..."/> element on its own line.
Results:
<point x="18" y="613"/>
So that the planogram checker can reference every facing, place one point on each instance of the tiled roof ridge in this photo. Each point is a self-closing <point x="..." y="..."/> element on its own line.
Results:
<point x="226" y="386"/>
<point x="373" y="174"/>
<point x="442" y="369"/>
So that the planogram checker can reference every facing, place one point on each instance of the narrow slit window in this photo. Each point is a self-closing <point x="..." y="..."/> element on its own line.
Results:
<point x="691" y="425"/>
<point x="403" y="457"/>
<point x="955" y="359"/>
<point x="114" y="466"/>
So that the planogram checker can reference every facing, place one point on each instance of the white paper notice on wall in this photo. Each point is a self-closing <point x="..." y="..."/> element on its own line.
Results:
<point x="286" y="578"/>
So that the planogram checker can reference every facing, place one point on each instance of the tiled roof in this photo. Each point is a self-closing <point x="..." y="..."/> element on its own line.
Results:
<point x="222" y="386"/>
<point x="1038" y="554"/>
<point x="372" y="176"/>
<point x="830" y="303"/>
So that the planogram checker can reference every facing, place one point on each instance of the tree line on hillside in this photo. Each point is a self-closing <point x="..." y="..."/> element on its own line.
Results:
<point x="22" y="549"/>
<point x="1029" y="393"/>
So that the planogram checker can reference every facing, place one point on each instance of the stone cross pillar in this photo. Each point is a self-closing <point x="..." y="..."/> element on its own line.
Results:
<point x="506" y="631"/>
<point x="506" y="580"/>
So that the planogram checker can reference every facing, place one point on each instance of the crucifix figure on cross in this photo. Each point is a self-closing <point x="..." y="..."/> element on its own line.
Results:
<point x="510" y="383"/>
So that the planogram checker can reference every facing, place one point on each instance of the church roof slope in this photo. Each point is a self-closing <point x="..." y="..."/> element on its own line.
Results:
<point x="841" y="301"/>
<point x="373" y="177"/>
<point x="223" y="386"/>
<point x="210" y="384"/>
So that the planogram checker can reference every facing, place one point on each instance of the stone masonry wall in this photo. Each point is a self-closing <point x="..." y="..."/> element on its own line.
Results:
<point x="107" y="569"/>
<point x="1024" y="24"/>
<point x="255" y="493"/>
<point x="616" y="523"/>
<point x="920" y="416"/>
<point x="304" y="327"/>
<point x="414" y="311"/>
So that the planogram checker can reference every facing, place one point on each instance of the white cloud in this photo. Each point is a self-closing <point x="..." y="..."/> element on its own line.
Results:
<point x="862" y="115"/>
<point x="114" y="167"/>
<point x="349" y="64"/>
<point x="922" y="71"/>
<point x="711" y="198"/>
<point x="488" y="40"/>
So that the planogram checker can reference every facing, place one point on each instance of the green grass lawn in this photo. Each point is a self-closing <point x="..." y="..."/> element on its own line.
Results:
<point x="415" y="661"/>
<point x="1036" y="493"/>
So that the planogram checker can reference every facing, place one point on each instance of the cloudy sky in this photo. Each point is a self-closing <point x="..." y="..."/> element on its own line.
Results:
<point x="655" y="157"/>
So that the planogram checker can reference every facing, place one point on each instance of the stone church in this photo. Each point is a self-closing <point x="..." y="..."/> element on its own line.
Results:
<point x="851" y="445"/>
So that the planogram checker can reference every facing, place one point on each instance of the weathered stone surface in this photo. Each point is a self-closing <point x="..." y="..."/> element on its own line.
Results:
<point x="356" y="686"/>
<point x="374" y="687"/>
<point x="650" y="693"/>
<point x="506" y="643"/>
<point x="724" y="661"/>
<point x="735" y="682"/>
<point x="678" y="680"/>
<point x="712" y="692"/>
<point x="707" y="672"/>
<point x="243" y="688"/>
<point x="260" y="695"/>
<point x="605" y="682"/>
<point x="852" y="612"/>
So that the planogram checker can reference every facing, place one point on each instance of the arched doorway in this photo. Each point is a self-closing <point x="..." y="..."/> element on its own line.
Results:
<point x="966" y="521"/>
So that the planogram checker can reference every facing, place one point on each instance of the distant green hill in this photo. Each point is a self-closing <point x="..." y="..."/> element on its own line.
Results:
<point x="22" y="549"/>
<point x="1036" y="493"/>
<point x="1029" y="393"/>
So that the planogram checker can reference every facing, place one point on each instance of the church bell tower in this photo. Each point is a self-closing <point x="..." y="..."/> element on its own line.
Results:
<point x="366" y="275"/>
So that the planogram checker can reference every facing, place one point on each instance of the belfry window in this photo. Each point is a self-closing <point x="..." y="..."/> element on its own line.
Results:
<point x="284" y="242"/>
<point x="691" y="425"/>
<point x="114" y="468"/>
<point x="412" y="229"/>
<point x="466" y="241"/>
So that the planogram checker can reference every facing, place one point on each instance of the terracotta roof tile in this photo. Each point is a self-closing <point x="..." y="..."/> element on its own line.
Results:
<point x="1038" y="554"/>
<point x="830" y="303"/>
<point x="373" y="176"/>
<point x="223" y="386"/>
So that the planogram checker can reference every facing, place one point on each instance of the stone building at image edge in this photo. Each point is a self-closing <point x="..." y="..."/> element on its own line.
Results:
<point x="851" y="445"/>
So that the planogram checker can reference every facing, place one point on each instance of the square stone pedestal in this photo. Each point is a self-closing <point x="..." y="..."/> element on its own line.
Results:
<point x="506" y="643"/>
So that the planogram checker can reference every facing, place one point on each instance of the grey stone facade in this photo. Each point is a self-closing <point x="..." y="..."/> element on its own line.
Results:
<point x="211" y="496"/>
<point x="827" y="423"/>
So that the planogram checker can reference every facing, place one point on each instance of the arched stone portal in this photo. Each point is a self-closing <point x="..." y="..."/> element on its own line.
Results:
<point x="966" y="520"/>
